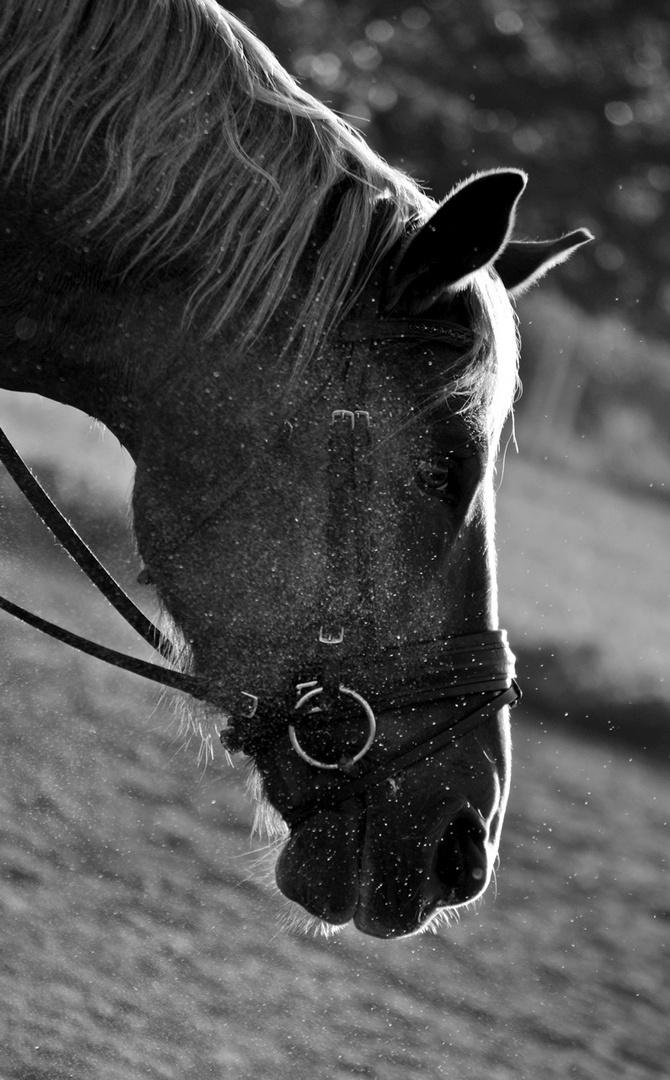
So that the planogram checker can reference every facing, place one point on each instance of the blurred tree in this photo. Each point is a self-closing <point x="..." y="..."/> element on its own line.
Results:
<point x="575" y="91"/>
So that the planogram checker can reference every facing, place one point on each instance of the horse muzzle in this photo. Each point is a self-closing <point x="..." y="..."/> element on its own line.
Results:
<point x="386" y="830"/>
<point x="386" y="874"/>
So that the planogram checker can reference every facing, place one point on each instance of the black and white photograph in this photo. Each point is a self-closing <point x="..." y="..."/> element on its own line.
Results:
<point x="334" y="540"/>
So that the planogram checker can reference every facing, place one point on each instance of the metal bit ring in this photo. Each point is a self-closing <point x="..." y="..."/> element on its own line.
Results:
<point x="348" y="762"/>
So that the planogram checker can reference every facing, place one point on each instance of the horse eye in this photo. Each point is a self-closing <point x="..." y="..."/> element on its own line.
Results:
<point x="439" y="477"/>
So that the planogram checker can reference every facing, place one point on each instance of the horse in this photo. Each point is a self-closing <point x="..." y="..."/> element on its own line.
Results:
<point x="310" y="362"/>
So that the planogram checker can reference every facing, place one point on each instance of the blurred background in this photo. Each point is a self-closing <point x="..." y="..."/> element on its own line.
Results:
<point x="139" y="935"/>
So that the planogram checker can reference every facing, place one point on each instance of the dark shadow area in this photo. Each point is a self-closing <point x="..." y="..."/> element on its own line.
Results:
<point x="555" y="683"/>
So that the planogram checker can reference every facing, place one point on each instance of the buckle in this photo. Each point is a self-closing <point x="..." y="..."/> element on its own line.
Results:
<point x="345" y="415"/>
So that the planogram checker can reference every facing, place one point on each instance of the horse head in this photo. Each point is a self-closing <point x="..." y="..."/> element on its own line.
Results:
<point x="314" y="493"/>
<point x="322" y="538"/>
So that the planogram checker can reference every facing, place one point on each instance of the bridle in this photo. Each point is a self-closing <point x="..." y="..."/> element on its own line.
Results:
<point x="462" y="668"/>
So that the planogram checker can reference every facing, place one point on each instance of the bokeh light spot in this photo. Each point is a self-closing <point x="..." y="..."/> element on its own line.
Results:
<point x="619" y="113"/>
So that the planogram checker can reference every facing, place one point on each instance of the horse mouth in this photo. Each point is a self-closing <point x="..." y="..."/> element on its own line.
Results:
<point x="348" y="864"/>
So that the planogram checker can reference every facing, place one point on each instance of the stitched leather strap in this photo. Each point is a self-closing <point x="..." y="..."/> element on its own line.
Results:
<point x="432" y="744"/>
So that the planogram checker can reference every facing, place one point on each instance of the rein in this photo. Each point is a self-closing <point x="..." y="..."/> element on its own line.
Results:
<point x="43" y="505"/>
<point x="460" y="667"/>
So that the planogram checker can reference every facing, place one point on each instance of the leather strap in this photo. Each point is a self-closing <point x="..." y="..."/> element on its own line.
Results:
<point x="201" y="688"/>
<point x="347" y="789"/>
<point x="67" y="535"/>
<point x="178" y="680"/>
<point x="416" y="674"/>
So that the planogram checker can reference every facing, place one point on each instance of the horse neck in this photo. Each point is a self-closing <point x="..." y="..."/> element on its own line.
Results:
<point x="70" y="332"/>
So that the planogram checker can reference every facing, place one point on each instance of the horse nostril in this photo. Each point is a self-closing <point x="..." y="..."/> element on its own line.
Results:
<point x="461" y="864"/>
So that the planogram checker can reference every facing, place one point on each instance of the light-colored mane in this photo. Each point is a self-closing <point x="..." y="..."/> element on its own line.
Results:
<point x="167" y="136"/>
<point x="208" y="154"/>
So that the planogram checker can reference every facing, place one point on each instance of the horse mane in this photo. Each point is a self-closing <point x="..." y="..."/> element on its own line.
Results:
<point x="170" y="138"/>
<point x="212" y="155"/>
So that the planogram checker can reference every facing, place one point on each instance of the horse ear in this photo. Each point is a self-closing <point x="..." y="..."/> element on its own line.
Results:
<point x="469" y="229"/>
<point x="523" y="262"/>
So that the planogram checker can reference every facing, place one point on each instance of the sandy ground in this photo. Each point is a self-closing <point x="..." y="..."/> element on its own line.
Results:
<point x="141" y="937"/>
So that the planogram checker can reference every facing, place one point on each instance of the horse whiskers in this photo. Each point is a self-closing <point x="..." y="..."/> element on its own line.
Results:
<point x="268" y="823"/>
<point x="294" y="920"/>
<point x="487" y="756"/>
<point x="260" y="868"/>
